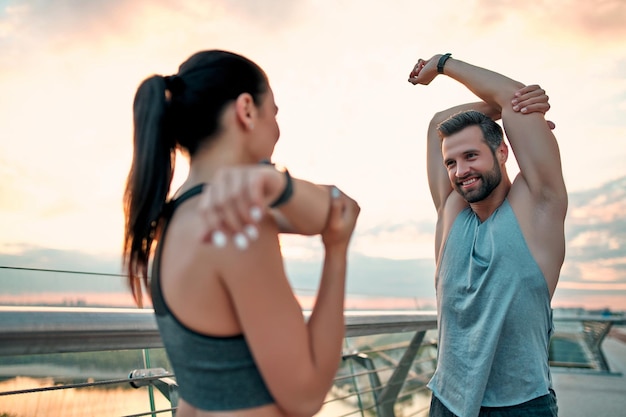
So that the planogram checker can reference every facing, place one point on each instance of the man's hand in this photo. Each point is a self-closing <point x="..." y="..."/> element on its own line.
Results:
<point x="424" y="71"/>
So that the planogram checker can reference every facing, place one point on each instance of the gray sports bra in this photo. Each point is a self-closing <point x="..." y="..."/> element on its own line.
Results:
<point x="212" y="373"/>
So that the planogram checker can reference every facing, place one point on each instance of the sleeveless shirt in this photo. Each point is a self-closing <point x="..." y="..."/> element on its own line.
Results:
<point x="212" y="373"/>
<point x="495" y="320"/>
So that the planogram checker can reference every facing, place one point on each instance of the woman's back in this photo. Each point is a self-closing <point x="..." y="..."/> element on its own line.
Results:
<point x="229" y="320"/>
<point x="189" y="276"/>
<point x="214" y="371"/>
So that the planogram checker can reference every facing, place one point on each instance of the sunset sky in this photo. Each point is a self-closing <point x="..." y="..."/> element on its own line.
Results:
<point x="69" y="70"/>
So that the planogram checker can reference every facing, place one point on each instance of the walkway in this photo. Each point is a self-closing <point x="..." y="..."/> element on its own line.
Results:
<point x="588" y="394"/>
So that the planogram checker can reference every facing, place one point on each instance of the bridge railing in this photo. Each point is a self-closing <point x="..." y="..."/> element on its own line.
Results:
<point x="108" y="361"/>
<point x="388" y="358"/>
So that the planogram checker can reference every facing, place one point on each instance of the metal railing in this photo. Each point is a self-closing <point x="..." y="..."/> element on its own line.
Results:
<point x="389" y="356"/>
<point x="584" y="333"/>
<point x="386" y="364"/>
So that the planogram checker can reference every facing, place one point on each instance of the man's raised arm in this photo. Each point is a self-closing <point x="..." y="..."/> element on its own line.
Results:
<point x="531" y="138"/>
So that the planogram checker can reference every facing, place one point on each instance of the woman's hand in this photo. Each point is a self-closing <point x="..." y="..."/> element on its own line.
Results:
<point x="342" y="218"/>
<point x="237" y="199"/>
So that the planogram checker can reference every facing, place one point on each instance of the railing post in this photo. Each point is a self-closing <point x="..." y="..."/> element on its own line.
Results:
<point x="146" y="363"/>
<point x="367" y="363"/>
<point x="389" y="395"/>
<point x="158" y="377"/>
<point x="169" y="389"/>
<point x="594" y="333"/>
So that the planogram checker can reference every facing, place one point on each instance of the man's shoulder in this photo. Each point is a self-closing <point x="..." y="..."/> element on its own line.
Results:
<point x="453" y="206"/>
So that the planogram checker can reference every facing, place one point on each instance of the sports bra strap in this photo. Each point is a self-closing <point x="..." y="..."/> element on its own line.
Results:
<point x="192" y="192"/>
<point x="155" y="286"/>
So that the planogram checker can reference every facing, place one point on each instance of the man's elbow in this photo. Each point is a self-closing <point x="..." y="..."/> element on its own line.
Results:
<point x="505" y="94"/>
<point x="437" y="118"/>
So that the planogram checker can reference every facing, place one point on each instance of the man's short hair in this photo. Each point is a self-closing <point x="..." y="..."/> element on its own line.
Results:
<point x="492" y="132"/>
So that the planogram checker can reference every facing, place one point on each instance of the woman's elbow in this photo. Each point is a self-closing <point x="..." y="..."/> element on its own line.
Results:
<point x="304" y="397"/>
<point x="302" y="407"/>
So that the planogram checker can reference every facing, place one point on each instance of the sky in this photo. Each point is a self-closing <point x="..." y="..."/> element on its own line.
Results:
<point x="69" y="70"/>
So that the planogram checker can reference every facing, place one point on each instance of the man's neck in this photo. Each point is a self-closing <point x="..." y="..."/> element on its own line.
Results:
<point x="485" y="208"/>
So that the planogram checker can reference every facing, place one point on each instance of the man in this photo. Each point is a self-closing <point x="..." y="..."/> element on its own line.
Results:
<point x="499" y="245"/>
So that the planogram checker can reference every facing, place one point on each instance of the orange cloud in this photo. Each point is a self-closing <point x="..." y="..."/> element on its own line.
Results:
<point x="589" y="21"/>
<point x="591" y="238"/>
<point x="600" y="210"/>
<point x="603" y="270"/>
<point x="591" y="286"/>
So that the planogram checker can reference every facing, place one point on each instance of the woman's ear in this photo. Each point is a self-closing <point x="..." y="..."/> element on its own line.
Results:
<point x="245" y="111"/>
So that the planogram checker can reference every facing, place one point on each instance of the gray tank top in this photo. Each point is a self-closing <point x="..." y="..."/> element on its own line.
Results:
<point x="494" y="315"/>
<point x="212" y="373"/>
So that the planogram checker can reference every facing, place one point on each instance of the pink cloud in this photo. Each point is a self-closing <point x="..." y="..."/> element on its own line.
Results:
<point x="587" y="21"/>
<point x="592" y="286"/>
<point x="615" y="302"/>
<point x="599" y="211"/>
<point x="604" y="270"/>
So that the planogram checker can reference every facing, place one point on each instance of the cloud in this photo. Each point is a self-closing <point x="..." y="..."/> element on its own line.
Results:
<point x="588" y="286"/>
<point x="39" y="23"/>
<point x="407" y="240"/>
<point x="590" y="21"/>
<point x="12" y="195"/>
<point x="37" y="275"/>
<point x="271" y="15"/>
<point x="61" y="22"/>
<point x="596" y="240"/>
<point x="30" y="256"/>
<point x="596" y="232"/>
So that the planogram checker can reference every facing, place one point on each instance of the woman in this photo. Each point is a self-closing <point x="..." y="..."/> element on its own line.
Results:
<point x="231" y="325"/>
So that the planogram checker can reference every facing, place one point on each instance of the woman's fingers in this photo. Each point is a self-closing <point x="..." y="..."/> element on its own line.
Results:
<point x="234" y="202"/>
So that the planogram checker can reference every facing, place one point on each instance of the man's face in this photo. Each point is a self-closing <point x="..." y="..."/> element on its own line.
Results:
<point x="473" y="169"/>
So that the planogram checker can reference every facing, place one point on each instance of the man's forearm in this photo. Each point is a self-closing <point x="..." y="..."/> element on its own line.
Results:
<point x="495" y="89"/>
<point x="487" y="109"/>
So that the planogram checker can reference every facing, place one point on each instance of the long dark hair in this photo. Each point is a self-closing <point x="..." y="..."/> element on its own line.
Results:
<point x="179" y="111"/>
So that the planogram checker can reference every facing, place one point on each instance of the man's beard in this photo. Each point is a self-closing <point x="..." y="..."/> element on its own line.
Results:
<point x="488" y="182"/>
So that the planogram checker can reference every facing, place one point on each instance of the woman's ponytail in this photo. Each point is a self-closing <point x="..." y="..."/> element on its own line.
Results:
<point x="149" y="179"/>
